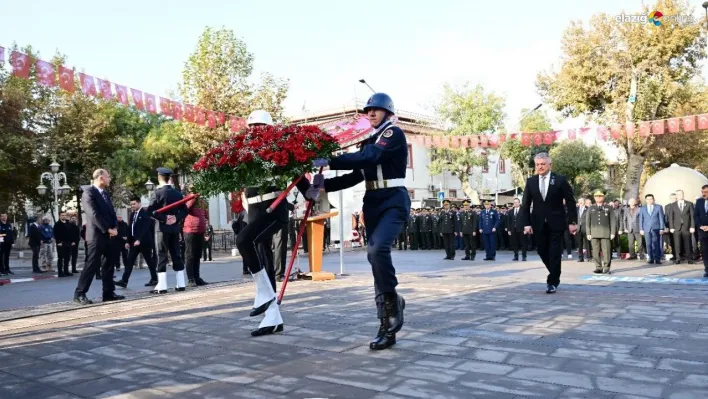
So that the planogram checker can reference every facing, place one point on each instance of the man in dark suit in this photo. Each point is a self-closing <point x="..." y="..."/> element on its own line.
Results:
<point x="581" y="237"/>
<point x="168" y="236"/>
<point x="62" y="235"/>
<point x="121" y="240"/>
<point x="35" y="241"/>
<point x="680" y="225"/>
<point x="101" y="228"/>
<point x="700" y="216"/>
<point x="7" y="238"/>
<point x="141" y="240"/>
<point x="75" y="236"/>
<point x="516" y="231"/>
<point x="545" y="192"/>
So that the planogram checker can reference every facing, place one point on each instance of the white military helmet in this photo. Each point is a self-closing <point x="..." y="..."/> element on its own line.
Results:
<point x="259" y="116"/>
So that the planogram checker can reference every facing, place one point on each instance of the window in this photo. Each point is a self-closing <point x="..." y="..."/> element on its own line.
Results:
<point x="411" y="194"/>
<point x="485" y="168"/>
<point x="453" y="193"/>
<point x="502" y="166"/>
<point x="410" y="157"/>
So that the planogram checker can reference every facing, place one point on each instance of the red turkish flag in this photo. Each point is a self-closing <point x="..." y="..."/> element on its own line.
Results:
<point x="122" y="94"/>
<point x="493" y="141"/>
<point x="689" y="123"/>
<point x="177" y="111"/>
<point x="445" y="142"/>
<point x="201" y="116"/>
<point x="66" y="79"/>
<point x="455" y="142"/>
<point x="104" y="88"/>
<point x="2" y="55"/>
<point x="150" y="104"/>
<point x="189" y="112"/>
<point x="236" y="123"/>
<point x="602" y="133"/>
<point x="483" y="141"/>
<point x="657" y="127"/>
<point x="436" y="142"/>
<point x="526" y="139"/>
<point x="474" y="141"/>
<point x="673" y="125"/>
<point x="703" y="122"/>
<point x="165" y="108"/>
<point x="502" y="138"/>
<point x="644" y="128"/>
<point x="629" y="129"/>
<point x="88" y="84"/>
<point x="616" y="131"/>
<point x="45" y="73"/>
<point x="138" y="99"/>
<point x="571" y="134"/>
<point x="537" y="138"/>
<point x="20" y="64"/>
<point x="211" y="119"/>
<point x="220" y="118"/>
<point x="549" y="138"/>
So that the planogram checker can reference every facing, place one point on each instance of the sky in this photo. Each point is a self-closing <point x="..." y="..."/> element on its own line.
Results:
<point x="323" y="47"/>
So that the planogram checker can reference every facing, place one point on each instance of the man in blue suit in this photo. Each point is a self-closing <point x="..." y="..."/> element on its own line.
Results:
<point x="651" y="223"/>
<point x="700" y="217"/>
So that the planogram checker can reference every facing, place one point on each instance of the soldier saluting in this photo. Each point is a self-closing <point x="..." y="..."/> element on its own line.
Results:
<point x="469" y="221"/>
<point x="168" y="235"/>
<point x="601" y="225"/>
<point x="446" y="221"/>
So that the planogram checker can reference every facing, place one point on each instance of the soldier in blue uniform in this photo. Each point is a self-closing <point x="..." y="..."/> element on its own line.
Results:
<point x="488" y="224"/>
<point x="381" y="163"/>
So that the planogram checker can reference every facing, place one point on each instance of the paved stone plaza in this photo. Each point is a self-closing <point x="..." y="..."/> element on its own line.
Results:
<point x="472" y="330"/>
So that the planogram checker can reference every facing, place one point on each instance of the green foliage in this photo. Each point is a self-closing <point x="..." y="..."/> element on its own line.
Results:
<point x="583" y="165"/>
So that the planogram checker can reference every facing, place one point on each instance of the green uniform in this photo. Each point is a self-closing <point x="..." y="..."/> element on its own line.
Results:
<point x="601" y="225"/>
<point x="446" y="222"/>
<point x="469" y="221"/>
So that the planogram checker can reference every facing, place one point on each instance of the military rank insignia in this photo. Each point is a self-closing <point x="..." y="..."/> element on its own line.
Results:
<point x="388" y="133"/>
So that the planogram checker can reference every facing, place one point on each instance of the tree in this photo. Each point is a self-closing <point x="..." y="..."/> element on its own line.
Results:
<point x="522" y="163"/>
<point x="601" y="64"/>
<point x="468" y="111"/>
<point x="583" y="165"/>
<point x="216" y="77"/>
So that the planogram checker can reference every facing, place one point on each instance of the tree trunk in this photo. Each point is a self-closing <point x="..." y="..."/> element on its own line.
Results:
<point x="471" y="193"/>
<point x="635" y="167"/>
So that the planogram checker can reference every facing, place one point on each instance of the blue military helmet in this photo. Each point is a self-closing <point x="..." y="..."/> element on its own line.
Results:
<point x="382" y="101"/>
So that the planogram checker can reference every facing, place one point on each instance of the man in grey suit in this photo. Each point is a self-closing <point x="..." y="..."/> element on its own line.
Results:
<point x="632" y="228"/>
<point x="651" y="222"/>
<point x="680" y="225"/>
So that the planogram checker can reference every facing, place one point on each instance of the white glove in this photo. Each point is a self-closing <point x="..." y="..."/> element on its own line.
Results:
<point x="589" y="237"/>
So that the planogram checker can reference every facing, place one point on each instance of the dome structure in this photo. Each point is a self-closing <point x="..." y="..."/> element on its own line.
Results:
<point x="673" y="178"/>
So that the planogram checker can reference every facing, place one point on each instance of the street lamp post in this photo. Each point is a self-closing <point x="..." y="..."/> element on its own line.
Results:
<point x="367" y="85"/>
<point x="150" y="186"/>
<point x="55" y="177"/>
<point x="705" y="5"/>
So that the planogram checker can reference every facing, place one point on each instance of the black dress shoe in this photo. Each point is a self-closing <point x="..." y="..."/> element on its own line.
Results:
<point x="606" y="271"/>
<point x="658" y="262"/>
<point x="180" y="289"/>
<point x="261" y="309"/>
<point x="267" y="330"/>
<point x="677" y="262"/>
<point x="651" y="261"/>
<point x="112" y="297"/>
<point x="523" y="259"/>
<point x="151" y="283"/>
<point x="466" y="258"/>
<point x="705" y="275"/>
<point x="383" y="339"/>
<point x="60" y="275"/>
<point x="690" y="262"/>
<point x="550" y="289"/>
<point x="516" y="258"/>
<point x="597" y="271"/>
<point x="394" y="305"/>
<point x="121" y="283"/>
<point x="82" y="300"/>
<point x="200" y="282"/>
<point x="158" y="292"/>
<point x="580" y="260"/>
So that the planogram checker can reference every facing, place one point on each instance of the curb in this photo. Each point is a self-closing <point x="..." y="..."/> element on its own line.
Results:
<point x="4" y="281"/>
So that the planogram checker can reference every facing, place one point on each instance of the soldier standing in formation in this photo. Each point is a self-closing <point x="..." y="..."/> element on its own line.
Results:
<point x="425" y="230"/>
<point x="469" y="222"/>
<point x="435" y="228"/>
<point x="403" y="236"/>
<point x="488" y="224"/>
<point x="601" y="225"/>
<point x="412" y="230"/>
<point x="446" y="221"/>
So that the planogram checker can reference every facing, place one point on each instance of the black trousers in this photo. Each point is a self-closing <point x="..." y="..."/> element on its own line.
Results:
<point x="101" y="255"/>
<point x="148" y="252"/>
<point x="168" y="242"/>
<point x="122" y="253"/>
<point x="63" y="258"/>
<point x="193" y="245"/>
<point x="703" y="239"/>
<point x="682" y="245"/>
<point x="449" y="244"/>
<point x="254" y="242"/>
<point x="280" y="250"/>
<point x="568" y="242"/>
<point x="549" y="244"/>
<point x="5" y="249"/>
<point x="518" y="240"/>
<point x="470" y="245"/>
<point x="413" y="239"/>
<point x="426" y="240"/>
<point x="35" y="257"/>
<point x="207" y="248"/>
<point x="74" y="257"/>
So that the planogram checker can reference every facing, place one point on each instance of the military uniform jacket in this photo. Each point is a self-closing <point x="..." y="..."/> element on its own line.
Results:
<point x="412" y="226"/>
<point x="6" y="233"/>
<point x="447" y="220"/>
<point x="163" y="196"/>
<point x="435" y="222"/>
<point x="469" y="221"/>
<point x="488" y="220"/>
<point x="425" y="223"/>
<point x="600" y="221"/>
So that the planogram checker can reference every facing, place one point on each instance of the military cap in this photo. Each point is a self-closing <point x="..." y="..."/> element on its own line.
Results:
<point x="487" y="202"/>
<point x="465" y="203"/>
<point x="167" y="172"/>
<point x="599" y="193"/>
<point x="446" y="201"/>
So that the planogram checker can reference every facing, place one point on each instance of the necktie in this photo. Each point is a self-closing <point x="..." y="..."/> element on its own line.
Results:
<point x="681" y="206"/>
<point x="543" y="187"/>
<point x="104" y="194"/>
<point x="135" y="218"/>
<point x="516" y="212"/>
<point x="651" y="208"/>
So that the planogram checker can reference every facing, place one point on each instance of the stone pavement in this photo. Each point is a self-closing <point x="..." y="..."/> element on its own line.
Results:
<point x="482" y="330"/>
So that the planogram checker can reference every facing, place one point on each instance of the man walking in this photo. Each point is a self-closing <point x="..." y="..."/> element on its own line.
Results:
<point x="545" y="192"/>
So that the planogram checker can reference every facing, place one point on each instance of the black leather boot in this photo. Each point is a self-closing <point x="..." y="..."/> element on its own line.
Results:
<point x="394" y="305"/>
<point x="383" y="339"/>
